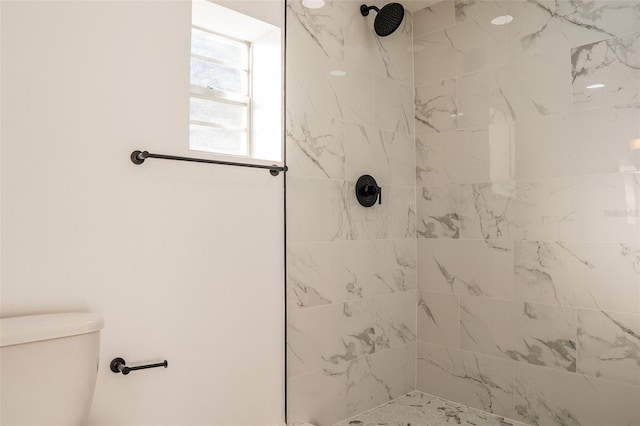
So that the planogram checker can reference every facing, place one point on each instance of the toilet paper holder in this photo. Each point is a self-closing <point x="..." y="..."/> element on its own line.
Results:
<point x="119" y="365"/>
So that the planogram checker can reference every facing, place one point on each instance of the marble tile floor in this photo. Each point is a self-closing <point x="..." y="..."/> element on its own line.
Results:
<point x="420" y="409"/>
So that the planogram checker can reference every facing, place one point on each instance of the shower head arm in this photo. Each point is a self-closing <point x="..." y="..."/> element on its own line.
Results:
<point x="364" y="9"/>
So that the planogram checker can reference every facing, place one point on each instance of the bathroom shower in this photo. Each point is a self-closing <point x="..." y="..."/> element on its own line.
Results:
<point x="388" y="18"/>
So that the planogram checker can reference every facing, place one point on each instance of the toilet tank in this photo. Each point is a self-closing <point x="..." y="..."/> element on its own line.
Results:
<point x="48" y="368"/>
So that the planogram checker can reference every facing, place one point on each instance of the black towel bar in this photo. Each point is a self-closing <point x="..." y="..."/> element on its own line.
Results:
<point x="138" y="157"/>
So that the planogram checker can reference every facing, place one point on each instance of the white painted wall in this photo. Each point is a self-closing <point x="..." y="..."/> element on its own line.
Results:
<point x="184" y="261"/>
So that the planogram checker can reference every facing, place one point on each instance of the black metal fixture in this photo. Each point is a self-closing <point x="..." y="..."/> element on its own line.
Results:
<point x="119" y="365"/>
<point x="138" y="157"/>
<point x="368" y="191"/>
<point x="388" y="18"/>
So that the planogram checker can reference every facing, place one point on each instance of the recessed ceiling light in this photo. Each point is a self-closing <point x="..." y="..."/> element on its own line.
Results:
<point x="595" y="86"/>
<point x="313" y="4"/>
<point x="338" y="73"/>
<point x="459" y="114"/>
<point x="502" y="20"/>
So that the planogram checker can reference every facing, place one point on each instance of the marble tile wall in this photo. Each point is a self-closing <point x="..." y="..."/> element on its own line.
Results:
<point x="528" y="195"/>
<point x="351" y="271"/>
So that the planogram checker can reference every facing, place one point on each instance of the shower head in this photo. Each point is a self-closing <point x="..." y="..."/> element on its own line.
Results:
<point x="388" y="18"/>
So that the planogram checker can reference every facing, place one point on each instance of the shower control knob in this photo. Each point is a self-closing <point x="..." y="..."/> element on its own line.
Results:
<point x="372" y="191"/>
<point x="368" y="191"/>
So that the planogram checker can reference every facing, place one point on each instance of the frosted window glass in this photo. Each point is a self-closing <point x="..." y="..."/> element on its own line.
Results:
<point x="211" y="139"/>
<point x="225" y="114"/>
<point x="219" y="48"/>
<point x="219" y="77"/>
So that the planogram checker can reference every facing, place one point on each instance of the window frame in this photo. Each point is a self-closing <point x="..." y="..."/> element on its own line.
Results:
<point x="217" y="95"/>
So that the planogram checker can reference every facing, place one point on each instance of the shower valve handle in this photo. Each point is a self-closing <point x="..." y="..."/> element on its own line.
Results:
<point x="371" y="190"/>
<point x="368" y="191"/>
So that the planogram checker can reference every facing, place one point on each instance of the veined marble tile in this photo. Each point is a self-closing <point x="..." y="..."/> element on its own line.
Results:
<point x="367" y="222"/>
<point x="367" y="153"/>
<point x="545" y="396"/>
<point x="613" y="262"/>
<point x="536" y="334"/>
<point x="315" y="46"/>
<point x="453" y="157"/>
<point x="615" y="63"/>
<point x="395" y="319"/>
<point x="310" y="87"/>
<point x="485" y="210"/>
<point x="470" y="267"/>
<point x="609" y="345"/>
<point x="579" y="274"/>
<point x="321" y="202"/>
<point x="439" y="318"/>
<point x="387" y="156"/>
<point x="460" y="49"/>
<point x="380" y="377"/>
<point x="582" y="142"/>
<point x="546" y="272"/>
<point x="376" y="267"/>
<point x="431" y="166"/>
<point x="435" y="107"/>
<point x="599" y="140"/>
<point x="359" y="322"/>
<point x="470" y="9"/>
<point x="315" y="32"/>
<point x="473" y="379"/>
<point x="609" y="207"/>
<point x="439" y="212"/>
<point x="545" y="209"/>
<point x="542" y="147"/>
<point x="315" y="146"/>
<point x="480" y="101"/>
<point x="524" y="89"/>
<point x="326" y="337"/>
<point x="315" y="340"/>
<point x="401" y="211"/>
<point x="318" y="397"/>
<point x="433" y="18"/>
<point x="402" y="158"/>
<point x="542" y="26"/>
<point x="316" y="274"/>
<point x="393" y="105"/>
<point x="397" y="51"/>
<point x="354" y="93"/>
<point x="394" y="218"/>
<point x="390" y="57"/>
<point x="526" y="209"/>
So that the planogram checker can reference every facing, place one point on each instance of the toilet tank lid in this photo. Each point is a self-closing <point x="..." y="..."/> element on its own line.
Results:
<point x="33" y="328"/>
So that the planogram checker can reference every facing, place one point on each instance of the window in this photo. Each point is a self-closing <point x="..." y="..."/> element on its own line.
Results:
<point x="236" y="95"/>
<point x="220" y="101"/>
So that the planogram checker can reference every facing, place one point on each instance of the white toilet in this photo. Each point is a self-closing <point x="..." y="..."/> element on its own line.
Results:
<point x="48" y="369"/>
